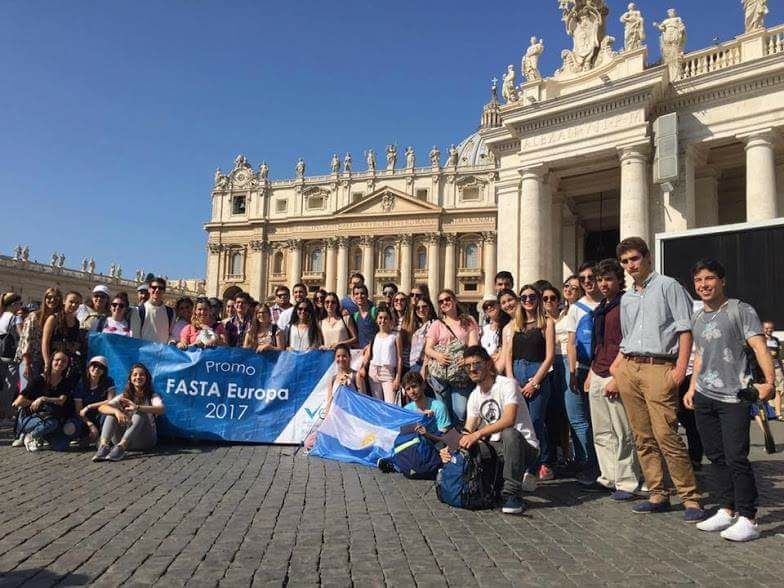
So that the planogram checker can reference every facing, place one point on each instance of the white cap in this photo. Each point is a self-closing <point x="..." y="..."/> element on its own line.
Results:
<point x="101" y="360"/>
<point x="102" y="289"/>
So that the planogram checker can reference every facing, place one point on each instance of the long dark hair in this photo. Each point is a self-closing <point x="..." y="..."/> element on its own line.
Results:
<point x="130" y="390"/>
<point x="314" y="330"/>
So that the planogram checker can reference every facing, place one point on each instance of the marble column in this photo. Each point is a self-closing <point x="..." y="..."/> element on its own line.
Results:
<point x="404" y="242"/>
<point x="508" y="194"/>
<point x="579" y="234"/>
<point x="569" y="241"/>
<point x="535" y="212"/>
<point x="489" y="262"/>
<point x="214" y="269"/>
<point x="341" y="278"/>
<point x="295" y="261"/>
<point x="706" y="198"/>
<point x="368" y="262"/>
<point x="761" y="197"/>
<point x="780" y="186"/>
<point x="449" y="260"/>
<point x="258" y="271"/>
<point x="634" y="193"/>
<point x="331" y="262"/>
<point x="433" y="264"/>
<point x="556" y="246"/>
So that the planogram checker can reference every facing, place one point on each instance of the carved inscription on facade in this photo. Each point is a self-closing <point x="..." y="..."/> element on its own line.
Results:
<point x="586" y="130"/>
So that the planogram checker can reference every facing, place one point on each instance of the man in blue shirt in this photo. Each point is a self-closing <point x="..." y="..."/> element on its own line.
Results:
<point x="414" y="387"/>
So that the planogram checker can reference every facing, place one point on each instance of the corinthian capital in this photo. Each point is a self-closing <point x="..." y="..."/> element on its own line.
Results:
<point x="404" y="240"/>
<point x="451" y="238"/>
<point x="489" y="236"/>
<point x="366" y="240"/>
<point x="214" y="247"/>
<point x="342" y="242"/>
<point x="433" y="238"/>
<point x="331" y="242"/>
<point x="294" y="244"/>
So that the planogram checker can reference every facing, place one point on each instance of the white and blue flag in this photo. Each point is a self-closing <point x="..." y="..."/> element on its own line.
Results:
<point x="361" y="429"/>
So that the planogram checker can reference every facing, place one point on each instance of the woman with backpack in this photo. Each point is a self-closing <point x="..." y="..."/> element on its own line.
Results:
<point x="529" y="359"/>
<point x="205" y="330"/>
<point x="336" y="328"/>
<point x="262" y="333"/>
<point x="383" y="360"/>
<point x="130" y="417"/>
<point x="446" y="341"/>
<point x="303" y="332"/>
<point x="117" y="322"/>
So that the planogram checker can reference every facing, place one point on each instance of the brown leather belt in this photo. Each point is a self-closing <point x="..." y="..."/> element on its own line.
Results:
<point x="650" y="360"/>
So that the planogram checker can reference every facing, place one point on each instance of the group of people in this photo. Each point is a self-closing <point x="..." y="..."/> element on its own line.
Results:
<point x="588" y="379"/>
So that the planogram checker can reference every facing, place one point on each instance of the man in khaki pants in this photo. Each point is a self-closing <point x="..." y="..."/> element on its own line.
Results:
<point x="656" y="327"/>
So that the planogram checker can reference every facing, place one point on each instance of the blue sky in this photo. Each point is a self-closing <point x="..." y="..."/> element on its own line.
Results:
<point x="116" y="114"/>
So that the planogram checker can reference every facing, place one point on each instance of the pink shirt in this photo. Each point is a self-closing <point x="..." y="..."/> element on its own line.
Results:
<point x="440" y="334"/>
<point x="190" y="335"/>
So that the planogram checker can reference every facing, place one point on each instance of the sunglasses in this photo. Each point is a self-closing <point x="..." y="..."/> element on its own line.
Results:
<point x="474" y="366"/>
<point x="416" y="295"/>
<point x="549" y="298"/>
<point x="283" y="295"/>
<point x="389" y="293"/>
<point x="118" y="305"/>
<point x="422" y="307"/>
<point x="302" y="309"/>
<point x="444" y="301"/>
<point x="588" y="279"/>
<point x="529" y="297"/>
<point x="154" y="288"/>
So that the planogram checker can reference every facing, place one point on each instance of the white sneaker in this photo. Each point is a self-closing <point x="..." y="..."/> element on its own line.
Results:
<point x="718" y="522"/>
<point x="742" y="530"/>
<point x="529" y="482"/>
<point x="30" y="443"/>
<point x="18" y="442"/>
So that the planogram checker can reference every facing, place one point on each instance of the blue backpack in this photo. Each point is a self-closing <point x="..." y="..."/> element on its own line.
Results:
<point x="473" y="479"/>
<point x="584" y="335"/>
<point x="417" y="459"/>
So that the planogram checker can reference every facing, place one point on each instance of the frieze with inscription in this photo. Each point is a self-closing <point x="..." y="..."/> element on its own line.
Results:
<point x="589" y="129"/>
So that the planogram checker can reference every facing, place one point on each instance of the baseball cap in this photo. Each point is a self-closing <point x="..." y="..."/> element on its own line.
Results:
<point x="143" y="288"/>
<point x="100" y="359"/>
<point x="102" y="289"/>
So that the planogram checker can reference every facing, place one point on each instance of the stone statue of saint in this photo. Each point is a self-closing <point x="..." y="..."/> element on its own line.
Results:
<point x="218" y="175"/>
<point x="755" y="12"/>
<point x="91" y="265"/>
<point x="119" y="272"/>
<point x="18" y="253"/>
<point x="634" y="28"/>
<point x="335" y="164"/>
<point x="410" y="157"/>
<point x="391" y="157"/>
<point x="240" y="161"/>
<point x="26" y="253"/>
<point x="673" y="40"/>
<point x="435" y="157"/>
<point x="531" y="60"/>
<point x="84" y="264"/>
<point x="371" y="160"/>
<point x="61" y="261"/>
<point x="347" y="163"/>
<point x="508" y="90"/>
<point x="53" y="261"/>
<point x="112" y="270"/>
<point x="263" y="170"/>
<point x="300" y="169"/>
<point x="453" y="155"/>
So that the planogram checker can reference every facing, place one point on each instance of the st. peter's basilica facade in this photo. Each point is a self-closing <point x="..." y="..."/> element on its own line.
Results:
<point x="560" y="168"/>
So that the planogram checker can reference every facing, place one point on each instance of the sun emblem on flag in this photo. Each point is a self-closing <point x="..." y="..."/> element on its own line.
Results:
<point x="368" y="440"/>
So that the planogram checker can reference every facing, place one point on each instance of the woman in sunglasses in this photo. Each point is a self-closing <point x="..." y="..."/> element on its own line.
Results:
<point x="318" y="303"/>
<point x="402" y="316"/>
<point x="336" y="329"/>
<point x="446" y="340"/>
<point x="492" y="332"/>
<point x="529" y="359"/>
<point x="28" y="351"/>
<point x="117" y="323"/>
<point x="303" y="332"/>
<point x="421" y="319"/>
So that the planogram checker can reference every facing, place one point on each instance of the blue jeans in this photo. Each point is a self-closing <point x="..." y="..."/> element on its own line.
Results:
<point x="45" y="429"/>
<point x="456" y="401"/>
<point x="577" y="409"/>
<point x="537" y="407"/>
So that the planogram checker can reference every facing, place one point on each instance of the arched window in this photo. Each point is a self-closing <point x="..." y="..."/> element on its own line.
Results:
<point x="388" y="258"/>
<point x="356" y="259"/>
<point x="472" y="256"/>
<point x="420" y="259"/>
<point x="317" y="260"/>
<point x="235" y="263"/>
<point x="277" y="263"/>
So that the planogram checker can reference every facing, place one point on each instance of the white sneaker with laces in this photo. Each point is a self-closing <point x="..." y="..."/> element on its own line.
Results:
<point x="743" y="530"/>
<point x="30" y="443"/>
<point x="18" y="442"/>
<point x="529" y="482"/>
<point x="718" y="522"/>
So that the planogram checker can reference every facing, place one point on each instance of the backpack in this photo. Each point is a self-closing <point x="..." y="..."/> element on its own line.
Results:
<point x="8" y="341"/>
<point x="472" y="479"/>
<point x="373" y="312"/>
<point x="417" y="459"/>
<point x="584" y="334"/>
<point x="143" y="313"/>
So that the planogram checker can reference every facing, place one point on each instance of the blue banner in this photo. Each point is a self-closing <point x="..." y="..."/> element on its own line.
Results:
<point x="226" y="393"/>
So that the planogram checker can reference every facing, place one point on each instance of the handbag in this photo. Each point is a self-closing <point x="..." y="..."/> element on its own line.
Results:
<point x="452" y="374"/>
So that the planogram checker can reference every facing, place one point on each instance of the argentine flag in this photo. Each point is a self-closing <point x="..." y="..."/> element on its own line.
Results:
<point x="361" y="429"/>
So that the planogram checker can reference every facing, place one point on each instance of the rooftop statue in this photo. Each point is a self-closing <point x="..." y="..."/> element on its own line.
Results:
<point x="634" y="28"/>
<point x="435" y="156"/>
<point x="391" y="157"/>
<point x="673" y="40"/>
<point x="453" y="156"/>
<point x="509" y="89"/>
<point x="84" y="264"/>
<point x="410" y="157"/>
<point x="91" y="265"/>
<point x="300" y="169"/>
<point x="371" y="160"/>
<point x="755" y="12"/>
<point x="585" y="22"/>
<point x="26" y="253"/>
<point x="531" y="60"/>
<point x="335" y="164"/>
<point x="347" y="163"/>
<point x="18" y="253"/>
<point x="263" y="170"/>
<point x="240" y="161"/>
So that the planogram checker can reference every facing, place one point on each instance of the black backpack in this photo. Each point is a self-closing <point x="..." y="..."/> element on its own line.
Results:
<point x="8" y="341"/>
<point x="142" y="311"/>
<point x="473" y="479"/>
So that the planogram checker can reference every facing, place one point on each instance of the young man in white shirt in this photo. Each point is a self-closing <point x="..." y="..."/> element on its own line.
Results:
<point x="300" y="292"/>
<point x="496" y="412"/>
<point x="153" y="320"/>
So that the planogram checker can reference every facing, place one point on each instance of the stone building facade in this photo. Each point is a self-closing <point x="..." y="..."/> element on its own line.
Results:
<point x="561" y="167"/>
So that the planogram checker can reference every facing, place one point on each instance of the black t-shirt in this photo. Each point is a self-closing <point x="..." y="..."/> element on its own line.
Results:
<point x="38" y="387"/>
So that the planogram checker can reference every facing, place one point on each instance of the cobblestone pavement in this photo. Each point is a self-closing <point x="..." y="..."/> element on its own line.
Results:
<point x="209" y="515"/>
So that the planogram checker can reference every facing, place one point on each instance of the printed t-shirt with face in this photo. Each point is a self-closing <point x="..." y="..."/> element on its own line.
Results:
<point x="724" y="363"/>
<point x="440" y="421"/>
<point x="489" y="408"/>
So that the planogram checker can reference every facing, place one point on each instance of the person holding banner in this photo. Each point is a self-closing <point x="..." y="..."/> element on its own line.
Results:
<point x="130" y="417"/>
<point x="383" y="359"/>
<point x="262" y="334"/>
<point x="205" y="330"/>
<point x="303" y="333"/>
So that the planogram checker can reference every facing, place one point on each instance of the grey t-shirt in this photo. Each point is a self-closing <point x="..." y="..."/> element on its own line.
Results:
<point x="718" y="342"/>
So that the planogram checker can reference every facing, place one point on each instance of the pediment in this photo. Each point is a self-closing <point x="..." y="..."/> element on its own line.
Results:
<point x="388" y="201"/>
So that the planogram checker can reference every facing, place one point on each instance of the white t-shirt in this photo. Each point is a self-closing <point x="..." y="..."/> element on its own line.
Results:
<point x="490" y="407"/>
<point x="491" y="339"/>
<point x="575" y="314"/>
<point x="7" y="320"/>
<point x="285" y="317"/>
<point x="385" y="350"/>
<point x="117" y="327"/>
<point x="156" y="324"/>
